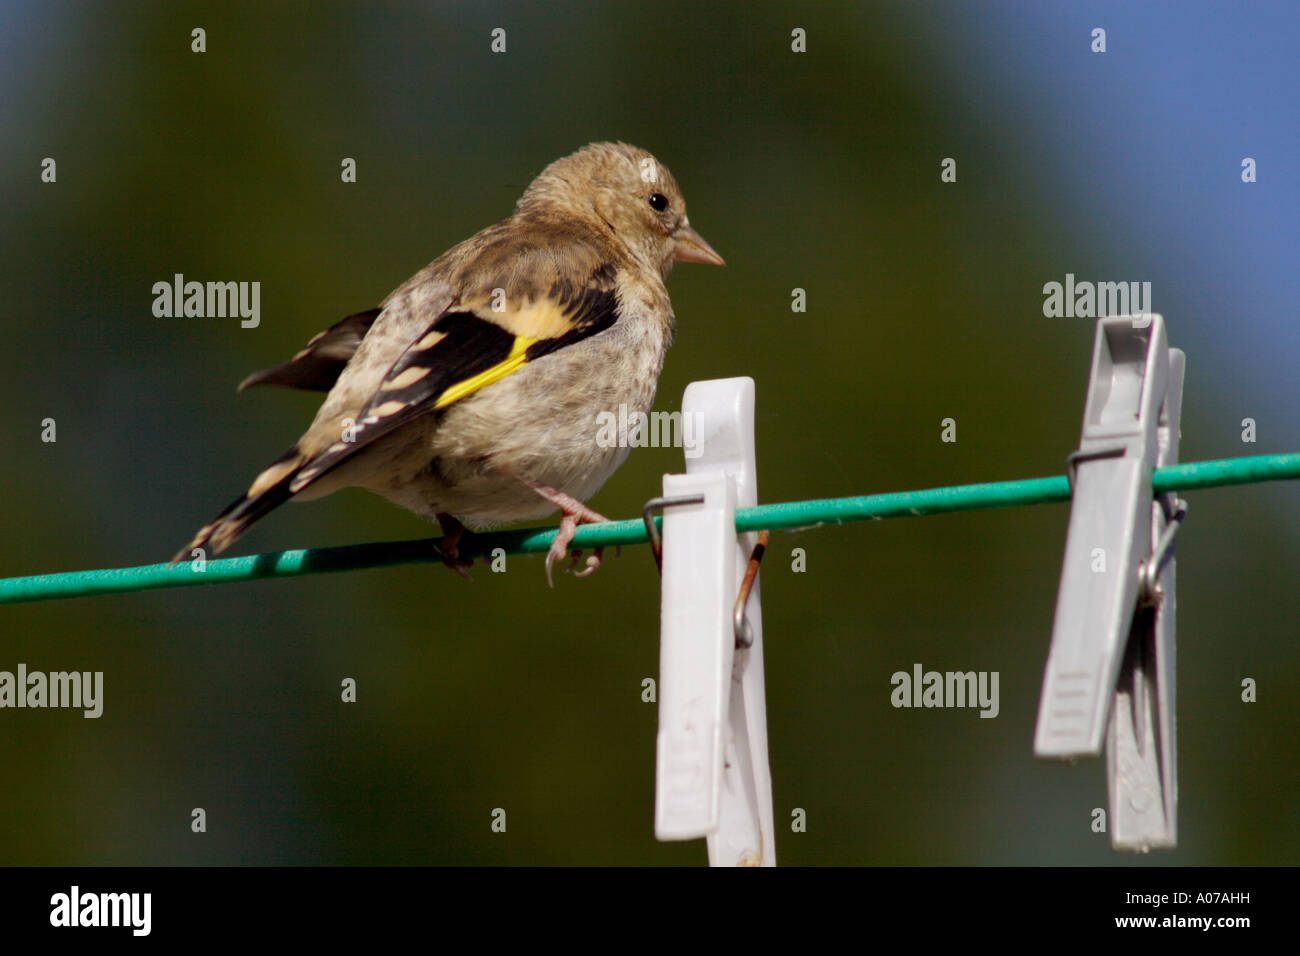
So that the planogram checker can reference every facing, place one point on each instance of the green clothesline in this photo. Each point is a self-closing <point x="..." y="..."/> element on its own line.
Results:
<point x="794" y="514"/>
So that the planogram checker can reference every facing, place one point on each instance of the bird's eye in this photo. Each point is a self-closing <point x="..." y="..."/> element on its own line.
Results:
<point x="658" y="202"/>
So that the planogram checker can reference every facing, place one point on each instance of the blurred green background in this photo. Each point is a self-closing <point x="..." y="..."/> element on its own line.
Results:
<point x="817" y="171"/>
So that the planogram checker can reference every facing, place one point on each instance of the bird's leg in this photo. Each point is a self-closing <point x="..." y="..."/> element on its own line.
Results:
<point x="575" y="513"/>
<point x="452" y="530"/>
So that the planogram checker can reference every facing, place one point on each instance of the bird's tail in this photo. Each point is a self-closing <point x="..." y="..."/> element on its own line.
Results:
<point x="269" y="490"/>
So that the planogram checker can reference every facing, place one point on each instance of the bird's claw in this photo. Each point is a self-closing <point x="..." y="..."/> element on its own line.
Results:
<point x="593" y="562"/>
<point x="559" y="550"/>
<point x="459" y="566"/>
<point x="449" y="547"/>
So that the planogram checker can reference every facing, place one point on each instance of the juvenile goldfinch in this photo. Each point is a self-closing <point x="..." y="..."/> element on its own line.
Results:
<point x="472" y="393"/>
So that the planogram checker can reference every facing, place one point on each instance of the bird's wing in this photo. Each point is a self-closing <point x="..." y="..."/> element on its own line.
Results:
<point x="466" y="348"/>
<point x="318" y="366"/>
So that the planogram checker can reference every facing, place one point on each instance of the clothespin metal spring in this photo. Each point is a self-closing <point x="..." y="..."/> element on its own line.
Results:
<point x="1175" y="511"/>
<point x="744" y="632"/>
<point x="652" y="529"/>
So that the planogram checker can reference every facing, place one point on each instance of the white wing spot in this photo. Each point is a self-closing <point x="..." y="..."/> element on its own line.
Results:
<point x="430" y="340"/>
<point x="299" y="482"/>
<point x="272" y="476"/>
<point x="407" y="378"/>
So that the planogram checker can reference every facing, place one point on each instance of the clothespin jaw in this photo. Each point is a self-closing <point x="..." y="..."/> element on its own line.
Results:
<point x="713" y="778"/>
<point x="1110" y="668"/>
<point x="1142" y="744"/>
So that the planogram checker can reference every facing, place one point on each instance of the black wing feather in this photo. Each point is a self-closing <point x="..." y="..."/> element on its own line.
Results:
<point x="318" y="366"/>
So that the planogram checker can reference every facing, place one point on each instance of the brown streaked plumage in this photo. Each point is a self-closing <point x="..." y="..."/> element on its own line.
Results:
<point x="472" y="393"/>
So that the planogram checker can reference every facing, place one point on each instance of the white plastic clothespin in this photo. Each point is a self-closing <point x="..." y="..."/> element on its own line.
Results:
<point x="712" y="776"/>
<point x="1110" y="671"/>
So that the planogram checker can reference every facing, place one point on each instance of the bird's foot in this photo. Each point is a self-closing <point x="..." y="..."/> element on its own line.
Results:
<point x="452" y="531"/>
<point x="574" y="514"/>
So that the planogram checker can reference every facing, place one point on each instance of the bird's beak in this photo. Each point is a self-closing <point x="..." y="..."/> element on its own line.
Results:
<point x="689" y="246"/>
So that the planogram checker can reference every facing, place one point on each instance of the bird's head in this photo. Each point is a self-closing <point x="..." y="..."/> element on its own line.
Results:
<point x="632" y="194"/>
